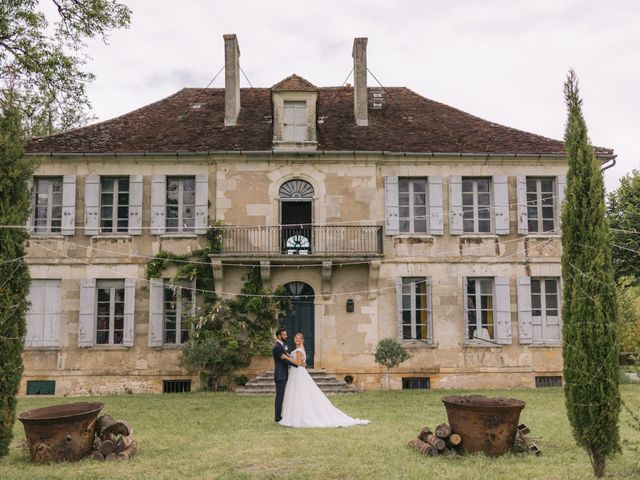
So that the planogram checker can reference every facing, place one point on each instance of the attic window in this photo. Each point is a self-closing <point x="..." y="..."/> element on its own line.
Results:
<point x="295" y="121"/>
<point x="196" y="106"/>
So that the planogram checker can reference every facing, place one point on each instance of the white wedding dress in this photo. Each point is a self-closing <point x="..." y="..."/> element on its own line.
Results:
<point x="305" y="406"/>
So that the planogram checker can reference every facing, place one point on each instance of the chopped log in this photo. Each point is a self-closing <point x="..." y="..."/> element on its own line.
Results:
<point x="423" y="447"/>
<point x="102" y="423"/>
<point x="423" y="434"/>
<point x="107" y="448"/>
<point x="435" y="442"/>
<point x="111" y="457"/>
<point x="97" y="456"/>
<point x="443" y="431"/>
<point x="119" y="445"/>
<point x="454" y="440"/>
<point x="129" y="452"/>
<point x="118" y="427"/>
<point x="128" y="439"/>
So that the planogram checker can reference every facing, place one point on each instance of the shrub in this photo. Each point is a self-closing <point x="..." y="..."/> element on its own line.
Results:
<point x="390" y="353"/>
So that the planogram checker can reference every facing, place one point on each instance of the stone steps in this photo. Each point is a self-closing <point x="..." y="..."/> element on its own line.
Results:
<point x="263" y="384"/>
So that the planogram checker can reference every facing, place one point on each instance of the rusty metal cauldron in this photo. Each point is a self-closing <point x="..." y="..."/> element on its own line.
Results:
<point x="485" y="424"/>
<point x="61" y="432"/>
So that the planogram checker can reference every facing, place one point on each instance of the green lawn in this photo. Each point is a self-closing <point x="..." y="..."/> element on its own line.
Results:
<point x="219" y="435"/>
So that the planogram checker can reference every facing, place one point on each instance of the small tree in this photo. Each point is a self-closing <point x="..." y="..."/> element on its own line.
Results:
<point x="390" y="353"/>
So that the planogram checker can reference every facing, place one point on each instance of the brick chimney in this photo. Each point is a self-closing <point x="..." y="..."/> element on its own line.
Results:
<point x="360" y="96"/>
<point x="231" y="79"/>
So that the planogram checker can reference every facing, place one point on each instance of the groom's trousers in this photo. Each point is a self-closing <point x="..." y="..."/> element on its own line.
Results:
<point x="280" y="384"/>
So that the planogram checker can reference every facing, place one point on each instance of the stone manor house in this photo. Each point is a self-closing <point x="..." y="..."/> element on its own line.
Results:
<point x="381" y="212"/>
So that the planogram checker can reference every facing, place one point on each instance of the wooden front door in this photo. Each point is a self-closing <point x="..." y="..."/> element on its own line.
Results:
<point x="300" y="317"/>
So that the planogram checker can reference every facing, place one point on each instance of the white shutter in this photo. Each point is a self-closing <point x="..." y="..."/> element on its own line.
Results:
<point x="31" y="205"/>
<point x="156" y="311"/>
<point x="51" y="326"/>
<point x="35" y="317"/>
<point x="202" y="204"/>
<point x="129" y="311"/>
<point x="399" y="306"/>
<point x="392" y="226"/>
<point x="525" y="331"/>
<point x="561" y="182"/>
<point x="503" y="311"/>
<point x="455" y="205"/>
<point x="158" y="204"/>
<point x="87" y="316"/>
<point x="465" y="320"/>
<point x="523" y="216"/>
<point x="135" y="204"/>
<point x="68" y="205"/>
<point x="91" y="204"/>
<point x="501" y="204"/>
<point x="436" y="210"/>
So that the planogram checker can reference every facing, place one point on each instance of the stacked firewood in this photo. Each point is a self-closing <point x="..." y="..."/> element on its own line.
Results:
<point x="113" y="440"/>
<point x="443" y="440"/>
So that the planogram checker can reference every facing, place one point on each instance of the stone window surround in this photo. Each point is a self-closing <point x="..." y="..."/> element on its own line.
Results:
<point x="311" y="99"/>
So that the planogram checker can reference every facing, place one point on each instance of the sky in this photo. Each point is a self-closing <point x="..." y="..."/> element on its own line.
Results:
<point x="501" y="60"/>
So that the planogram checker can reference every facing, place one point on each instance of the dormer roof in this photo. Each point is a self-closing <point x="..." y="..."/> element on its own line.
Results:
<point x="294" y="83"/>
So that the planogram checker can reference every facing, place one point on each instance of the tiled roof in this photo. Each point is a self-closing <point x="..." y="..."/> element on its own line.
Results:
<point x="294" y="83"/>
<point x="192" y="120"/>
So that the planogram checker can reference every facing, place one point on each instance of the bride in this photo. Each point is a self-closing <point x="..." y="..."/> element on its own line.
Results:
<point x="304" y="403"/>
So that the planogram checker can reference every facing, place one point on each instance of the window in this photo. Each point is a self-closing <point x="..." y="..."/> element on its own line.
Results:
<point x="545" y="313"/>
<point x="545" y="382"/>
<point x="114" y="204"/>
<point x="41" y="387"/>
<point x="415" y="308"/>
<point x="413" y="383"/>
<point x="295" y="121"/>
<point x="110" y="312"/>
<point x="178" y="304"/>
<point x="48" y="205"/>
<point x="43" y="319"/>
<point x="181" y="204"/>
<point x="412" y="203"/>
<point x="476" y="205"/>
<point x="541" y="205"/>
<point x="480" y="314"/>
<point x="176" y="386"/>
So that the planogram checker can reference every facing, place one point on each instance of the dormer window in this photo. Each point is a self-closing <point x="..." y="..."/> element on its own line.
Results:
<point x="295" y="121"/>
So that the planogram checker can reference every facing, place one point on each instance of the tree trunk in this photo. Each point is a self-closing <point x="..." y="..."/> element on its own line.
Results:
<point x="389" y="378"/>
<point x="597" y="462"/>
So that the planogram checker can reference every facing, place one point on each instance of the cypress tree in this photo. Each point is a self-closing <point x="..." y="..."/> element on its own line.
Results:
<point x="14" y="272"/>
<point x="589" y="310"/>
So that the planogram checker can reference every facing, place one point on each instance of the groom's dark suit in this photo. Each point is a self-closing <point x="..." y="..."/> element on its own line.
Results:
<point x="280" y="375"/>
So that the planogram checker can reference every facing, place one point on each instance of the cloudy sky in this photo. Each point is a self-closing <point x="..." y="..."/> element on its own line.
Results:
<point x="498" y="59"/>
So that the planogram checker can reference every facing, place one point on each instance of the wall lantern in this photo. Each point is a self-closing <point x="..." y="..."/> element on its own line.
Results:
<point x="350" y="305"/>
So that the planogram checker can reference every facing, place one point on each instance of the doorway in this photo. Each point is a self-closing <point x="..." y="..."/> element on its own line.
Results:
<point x="296" y="217"/>
<point x="300" y="317"/>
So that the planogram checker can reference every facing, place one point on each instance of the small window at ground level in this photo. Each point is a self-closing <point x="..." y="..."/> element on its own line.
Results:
<point x="176" y="386"/>
<point x="414" y="383"/>
<point x="542" y="382"/>
<point x="41" y="387"/>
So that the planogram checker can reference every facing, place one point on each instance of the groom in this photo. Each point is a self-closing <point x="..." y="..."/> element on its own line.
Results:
<point x="281" y="369"/>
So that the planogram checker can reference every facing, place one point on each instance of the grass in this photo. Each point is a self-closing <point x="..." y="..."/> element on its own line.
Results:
<point x="219" y="435"/>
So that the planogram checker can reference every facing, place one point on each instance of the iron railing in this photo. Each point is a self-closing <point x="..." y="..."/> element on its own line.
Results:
<point x="349" y="240"/>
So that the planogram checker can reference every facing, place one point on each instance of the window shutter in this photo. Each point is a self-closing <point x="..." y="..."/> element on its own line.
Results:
<point x="31" y="205"/>
<point x="503" y="311"/>
<point x="392" y="226"/>
<point x="523" y="216"/>
<point x="399" y="306"/>
<point x="156" y="311"/>
<point x="436" y="210"/>
<point x="455" y="205"/>
<point x="465" y="322"/>
<point x="135" y="205"/>
<point x="68" y="205"/>
<point x="129" y="311"/>
<point x="501" y="204"/>
<point x="561" y="182"/>
<point x="525" y="331"/>
<point x="158" y="204"/>
<point x="202" y="204"/>
<point x="35" y="317"/>
<point x="51" y="330"/>
<point x="87" y="317"/>
<point x="91" y="204"/>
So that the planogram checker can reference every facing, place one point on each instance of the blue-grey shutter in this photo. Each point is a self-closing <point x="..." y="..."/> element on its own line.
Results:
<point x="202" y="204"/>
<point x="91" y="204"/>
<point x="35" y="316"/>
<point x="436" y="209"/>
<point x="51" y="326"/>
<point x="156" y="311"/>
<point x="129" y="311"/>
<point x="503" y="311"/>
<point x="135" y="204"/>
<point x="465" y="320"/>
<point x="87" y="316"/>
<point x="399" y="307"/>
<point x="391" y="225"/>
<point x="523" y="215"/>
<point x="501" y="204"/>
<point x="455" y="205"/>
<point x="31" y="205"/>
<point x="561" y="182"/>
<point x="68" y="205"/>
<point x="525" y="331"/>
<point x="158" y="204"/>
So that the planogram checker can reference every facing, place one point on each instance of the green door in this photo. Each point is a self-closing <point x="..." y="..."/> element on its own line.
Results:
<point x="299" y="317"/>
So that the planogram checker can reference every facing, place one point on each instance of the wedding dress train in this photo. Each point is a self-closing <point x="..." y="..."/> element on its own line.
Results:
<point x="305" y="405"/>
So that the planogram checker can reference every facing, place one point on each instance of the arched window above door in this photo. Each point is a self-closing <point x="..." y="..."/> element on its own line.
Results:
<point x="296" y="189"/>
